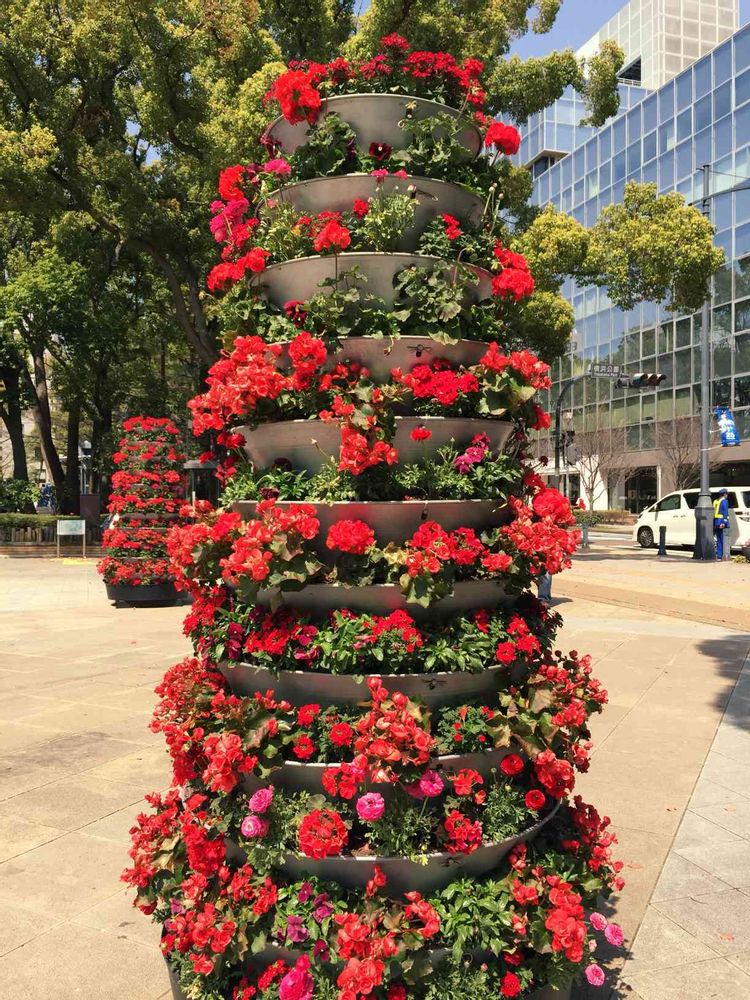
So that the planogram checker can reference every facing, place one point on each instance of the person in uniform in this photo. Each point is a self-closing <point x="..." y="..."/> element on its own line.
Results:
<point x="721" y="521"/>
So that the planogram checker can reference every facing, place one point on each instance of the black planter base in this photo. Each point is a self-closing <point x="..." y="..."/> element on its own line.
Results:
<point x="543" y="993"/>
<point x="160" y="593"/>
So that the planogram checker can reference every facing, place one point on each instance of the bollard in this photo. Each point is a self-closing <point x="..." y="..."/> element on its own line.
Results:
<point x="662" y="541"/>
<point x="585" y="537"/>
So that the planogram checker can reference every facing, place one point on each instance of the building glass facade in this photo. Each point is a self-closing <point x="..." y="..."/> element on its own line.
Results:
<point x="702" y="116"/>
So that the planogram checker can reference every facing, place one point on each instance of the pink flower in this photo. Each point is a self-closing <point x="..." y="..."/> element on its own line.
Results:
<point x="431" y="784"/>
<point x="595" y="975"/>
<point x="370" y="807"/>
<point x="598" y="921"/>
<point x="613" y="934"/>
<point x="254" y="826"/>
<point x="379" y="175"/>
<point x="297" y="984"/>
<point x="261" y="800"/>
<point x="279" y="167"/>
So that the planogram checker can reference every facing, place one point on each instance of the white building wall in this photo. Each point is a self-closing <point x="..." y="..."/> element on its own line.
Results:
<point x="667" y="35"/>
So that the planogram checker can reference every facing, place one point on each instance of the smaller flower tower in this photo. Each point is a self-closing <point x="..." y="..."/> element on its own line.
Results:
<point x="148" y="489"/>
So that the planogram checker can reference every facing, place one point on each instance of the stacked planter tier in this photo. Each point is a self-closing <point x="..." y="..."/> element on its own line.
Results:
<point x="236" y="715"/>
<point x="148" y="491"/>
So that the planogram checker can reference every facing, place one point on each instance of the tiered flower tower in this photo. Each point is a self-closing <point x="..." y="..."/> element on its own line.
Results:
<point x="148" y="491"/>
<point x="375" y="743"/>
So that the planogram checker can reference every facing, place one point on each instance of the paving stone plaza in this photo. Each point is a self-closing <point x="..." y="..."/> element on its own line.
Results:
<point x="671" y="768"/>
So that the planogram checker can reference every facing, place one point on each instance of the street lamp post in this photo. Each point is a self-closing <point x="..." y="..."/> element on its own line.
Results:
<point x="704" y="509"/>
<point x="564" y="390"/>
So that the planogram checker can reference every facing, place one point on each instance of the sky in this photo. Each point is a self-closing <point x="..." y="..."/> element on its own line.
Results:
<point x="577" y="21"/>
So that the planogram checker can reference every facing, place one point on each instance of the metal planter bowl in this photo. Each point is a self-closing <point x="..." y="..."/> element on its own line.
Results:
<point x="303" y="686"/>
<point x="269" y="955"/>
<point x="381" y="355"/>
<point x="295" y="776"/>
<point x="300" y="277"/>
<point x="161" y="593"/>
<point x="377" y="118"/>
<point x="307" y="444"/>
<point x="404" y="875"/>
<point x="395" y="521"/>
<point x="383" y="598"/>
<point x="337" y="194"/>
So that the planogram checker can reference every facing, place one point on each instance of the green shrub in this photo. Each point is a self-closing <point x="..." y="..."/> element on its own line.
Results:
<point x="589" y="517"/>
<point x="15" y="494"/>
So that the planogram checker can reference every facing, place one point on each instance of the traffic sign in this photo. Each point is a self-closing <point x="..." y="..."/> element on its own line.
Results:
<point x="601" y="370"/>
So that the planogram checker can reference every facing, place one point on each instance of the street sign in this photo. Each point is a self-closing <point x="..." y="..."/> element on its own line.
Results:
<point x="601" y="370"/>
<point x="68" y="528"/>
<point x="74" y="527"/>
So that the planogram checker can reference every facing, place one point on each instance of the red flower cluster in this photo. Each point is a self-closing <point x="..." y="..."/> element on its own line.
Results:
<point x="566" y="922"/>
<point x="504" y="138"/>
<point x="297" y="94"/>
<point x="514" y="280"/>
<point x="354" y="537"/>
<point x="461" y="835"/>
<point x="553" y="774"/>
<point x="437" y="382"/>
<point x="523" y="364"/>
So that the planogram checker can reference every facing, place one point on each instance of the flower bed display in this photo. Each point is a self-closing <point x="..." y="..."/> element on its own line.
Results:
<point x="148" y="491"/>
<point x="376" y="742"/>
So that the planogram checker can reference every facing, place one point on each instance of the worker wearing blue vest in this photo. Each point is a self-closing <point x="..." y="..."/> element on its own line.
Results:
<point x="721" y="521"/>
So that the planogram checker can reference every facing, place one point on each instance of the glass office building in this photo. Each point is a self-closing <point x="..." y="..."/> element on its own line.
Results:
<point x="665" y="136"/>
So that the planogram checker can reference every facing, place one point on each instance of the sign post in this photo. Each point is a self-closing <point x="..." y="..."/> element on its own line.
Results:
<point x="68" y="528"/>
<point x="601" y="370"/>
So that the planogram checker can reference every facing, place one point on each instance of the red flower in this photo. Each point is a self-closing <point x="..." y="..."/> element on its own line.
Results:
<point x="512" y="284"/>
<point x="303" y="747"/>
<point x="510" y="985"/>
<point x="555" y="775"/>
<point x="452" y="227"/>
<point x="549" y="502"/>
<point x="535" y="799"/>
<point x="354" y="537"/>
<point x="503" y="137"/>
<point x="461" y="835"/>
<point x="511" y="765"/>
<point x="399" y="44"/>
<point x="380" y="151"/>
<point x="465" y="780"/>
<point x="361" y="208"/>
<point x="332" y="236"/>
<point x="421" y="434"/>
<point x="341" y="734"/>
<point x="307" y="714"/>
<point x="322" y="834"/>
<point x="505" y="652"/>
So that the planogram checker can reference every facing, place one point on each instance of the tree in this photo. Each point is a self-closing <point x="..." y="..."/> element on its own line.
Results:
<point x="653" y="247"/>
<point x="600" y="455"/>
<point x="679" y="441"/>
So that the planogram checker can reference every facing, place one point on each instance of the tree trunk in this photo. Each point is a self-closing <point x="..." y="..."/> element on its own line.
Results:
<point x="12" y="416"/>
<point x="71" y="502"/>
<point x="43" y="418"/>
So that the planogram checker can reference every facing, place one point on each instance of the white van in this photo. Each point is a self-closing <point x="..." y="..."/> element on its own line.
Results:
<point x="676" y="512"/>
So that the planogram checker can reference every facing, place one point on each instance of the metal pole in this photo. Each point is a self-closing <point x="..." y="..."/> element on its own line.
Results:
<point x="564" y="389"/>
<point x="704" y="511"/>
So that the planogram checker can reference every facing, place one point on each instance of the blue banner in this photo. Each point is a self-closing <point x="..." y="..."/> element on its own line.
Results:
<point x="729" y="435"/>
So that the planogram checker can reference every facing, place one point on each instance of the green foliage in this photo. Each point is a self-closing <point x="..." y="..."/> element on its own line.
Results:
<point x="588" y="517"/>
<point x="555" y="246"/>
<point x="405" y="830"/>
<point x="16" y="495"/>
<point x="653" y="247"/>
<point x="600" y="87"/>
<point x="504" y="813"/>
<point x="545" y="322"/>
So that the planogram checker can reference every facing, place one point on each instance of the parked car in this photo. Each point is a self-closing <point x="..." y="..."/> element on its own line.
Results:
<point x="676" y="513"/>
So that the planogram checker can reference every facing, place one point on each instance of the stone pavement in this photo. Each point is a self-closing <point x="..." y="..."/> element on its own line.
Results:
<point x="694" y="941"/>
<point x="76" y="683"/>
<point x="717" y="593"/>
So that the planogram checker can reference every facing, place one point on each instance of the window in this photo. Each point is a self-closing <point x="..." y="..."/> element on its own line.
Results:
<point x="682" y="368"/>
<point x="685" y="125"/>
<point x="742" y="391"/>
<point x="684" y="90"/>
<point x="666" y="136"/>
<point x="722" y="100"/>
<point x="703" y="114"/>
<point x="682" y="333"/>
<point x="691" y="498"/>
<point x="741" y="51"/>
<point x="649" y="147"/>
<point x="742" y="353"/>
<point x="723" y="284"/>
<point x="672" y="502"/>
<point x="742" y="89"/>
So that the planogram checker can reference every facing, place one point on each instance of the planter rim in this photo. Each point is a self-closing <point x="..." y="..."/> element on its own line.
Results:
<point x="358" y="254"/>
<point x="362" y="175"/>
<point x="493" y="668"/>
